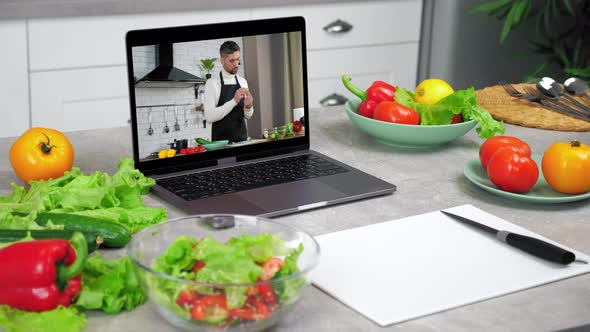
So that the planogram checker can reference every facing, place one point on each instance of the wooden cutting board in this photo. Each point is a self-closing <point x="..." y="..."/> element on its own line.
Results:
<point x="523" y="113"/>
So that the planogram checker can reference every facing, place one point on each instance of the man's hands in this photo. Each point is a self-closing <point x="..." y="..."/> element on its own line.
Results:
<point x="244" y="93"/>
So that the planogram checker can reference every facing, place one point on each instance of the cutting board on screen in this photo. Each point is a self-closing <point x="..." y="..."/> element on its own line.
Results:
<point x="403" y="269"/>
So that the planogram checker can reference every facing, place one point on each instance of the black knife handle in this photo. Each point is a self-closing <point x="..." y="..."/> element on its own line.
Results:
<point x="537" y="247"/>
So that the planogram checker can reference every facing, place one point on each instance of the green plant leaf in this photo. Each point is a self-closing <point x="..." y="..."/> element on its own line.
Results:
<point x="521" y="9"/>
<point x="540" y="68"/>
<point x="568" y="6"/>
<point x="491" y="6"/>
<point x="554" y="10"/>
<point x="538" y="26"/>
<point x="542" y="48"/>
<point x="529" y="8"/>
<point x="531" y="79"/>
<point x="546" y="17"/>
<point x="208" y="64"/>
<point x="562" y="56"/>
<point x="511" y="20"/>
<point x="501" y="15"/>
<point x="576" y="53"/>
<point x="580" y="72"/>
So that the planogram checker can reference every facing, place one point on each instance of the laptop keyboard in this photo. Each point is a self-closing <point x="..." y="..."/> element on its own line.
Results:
<point x="250" y="176"/>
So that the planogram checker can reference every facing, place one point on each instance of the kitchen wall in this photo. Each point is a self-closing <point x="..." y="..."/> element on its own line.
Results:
<point x="186" y="57"/>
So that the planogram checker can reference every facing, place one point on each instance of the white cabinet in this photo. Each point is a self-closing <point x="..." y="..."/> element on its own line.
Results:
<point x="14" y="89"/>
<point x="65" y="43"/>
<point x="78" y="66"/>
<point x="367" y="40"/>
<point x="80" y="99"/>
<point x="377" y="22"/>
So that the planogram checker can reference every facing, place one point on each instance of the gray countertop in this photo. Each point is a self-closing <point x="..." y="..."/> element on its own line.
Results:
<point x="23" y="9"/>
<point x="427" y="181"/>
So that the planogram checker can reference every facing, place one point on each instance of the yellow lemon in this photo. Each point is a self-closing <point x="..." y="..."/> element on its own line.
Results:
<point x="431" y="90"/>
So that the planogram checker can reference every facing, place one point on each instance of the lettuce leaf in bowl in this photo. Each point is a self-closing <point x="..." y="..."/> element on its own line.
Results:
<point x="462" y="102"/>
<point x="235" y="262"/>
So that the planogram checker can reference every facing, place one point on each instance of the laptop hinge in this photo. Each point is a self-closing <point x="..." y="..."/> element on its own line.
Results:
<point x="226" y="161"/>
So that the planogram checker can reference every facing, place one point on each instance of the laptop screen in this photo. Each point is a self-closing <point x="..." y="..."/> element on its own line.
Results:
<point x="201" y="93"/>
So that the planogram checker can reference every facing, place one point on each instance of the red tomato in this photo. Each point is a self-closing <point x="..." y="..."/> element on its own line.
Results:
<point x="491" y="145"/>
<point x="267" y="294"/>
<point x="254" y="309"/>
<point x="186" y="297"/>
<point x="198" y="266"/>
<point x="297" y="126"/>
<point x="457" y="118"/>
<point x="512" y="171"/>
<point x="262" y="310"/>
<point x="246" y="312"/>
<point x="207" y="304"/>
<point x="271" y="267"/>
<point x="391" y="111"/>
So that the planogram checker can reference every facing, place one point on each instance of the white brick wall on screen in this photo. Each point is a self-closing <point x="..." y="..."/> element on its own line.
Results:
<point x="187" y="56"/>
<point x="144" y="60"/>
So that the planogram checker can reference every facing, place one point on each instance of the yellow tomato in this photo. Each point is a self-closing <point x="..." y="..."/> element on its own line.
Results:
<point x="41" y="154"/>
<point x="171" y="153"/>
<point x="566" y="167"/>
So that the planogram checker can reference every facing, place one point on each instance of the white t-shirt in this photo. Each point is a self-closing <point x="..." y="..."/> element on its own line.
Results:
<point x="212" y="93"/>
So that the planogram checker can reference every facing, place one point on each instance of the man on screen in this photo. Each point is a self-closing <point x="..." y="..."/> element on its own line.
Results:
<point x="227" y="99"/>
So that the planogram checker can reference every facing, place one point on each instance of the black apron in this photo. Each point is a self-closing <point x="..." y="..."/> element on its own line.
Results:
<point x="233" y="125"/>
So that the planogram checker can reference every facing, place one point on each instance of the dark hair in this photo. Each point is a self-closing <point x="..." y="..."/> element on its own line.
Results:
<point x="228" y="47"/>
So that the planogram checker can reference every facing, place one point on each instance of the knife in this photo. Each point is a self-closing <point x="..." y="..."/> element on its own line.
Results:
<point x="531" y="245"/>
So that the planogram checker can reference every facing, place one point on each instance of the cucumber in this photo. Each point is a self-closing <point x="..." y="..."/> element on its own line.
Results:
<point x="12" y="235"/>
<point x="203" y="141"/>
<point x="114" y="234"/>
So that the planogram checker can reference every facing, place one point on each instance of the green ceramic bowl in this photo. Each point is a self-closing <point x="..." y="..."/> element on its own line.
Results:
<point x="216" y="145"/>
<point x="408" y="136"/>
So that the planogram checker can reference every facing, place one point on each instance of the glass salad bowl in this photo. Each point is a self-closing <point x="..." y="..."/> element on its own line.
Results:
<point x="223" y="272"/>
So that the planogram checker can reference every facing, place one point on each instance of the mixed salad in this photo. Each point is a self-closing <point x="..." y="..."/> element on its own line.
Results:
<point x="252" y="270"/>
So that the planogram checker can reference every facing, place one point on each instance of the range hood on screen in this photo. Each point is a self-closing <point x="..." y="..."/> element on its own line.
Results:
<point x="166" y="75"/>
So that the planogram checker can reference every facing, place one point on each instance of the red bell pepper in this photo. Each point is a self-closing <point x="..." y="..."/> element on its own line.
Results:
<point x="39" y="275"/>
<point x="378" y="92"/>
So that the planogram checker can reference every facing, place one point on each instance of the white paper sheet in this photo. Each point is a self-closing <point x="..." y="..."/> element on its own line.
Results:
<point x="403" y="269"/>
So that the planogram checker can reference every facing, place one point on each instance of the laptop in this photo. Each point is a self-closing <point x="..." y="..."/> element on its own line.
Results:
<point x="263" y="165"/>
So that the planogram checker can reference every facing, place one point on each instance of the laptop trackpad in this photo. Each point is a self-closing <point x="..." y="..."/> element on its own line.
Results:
<point x="291" y="195"/>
